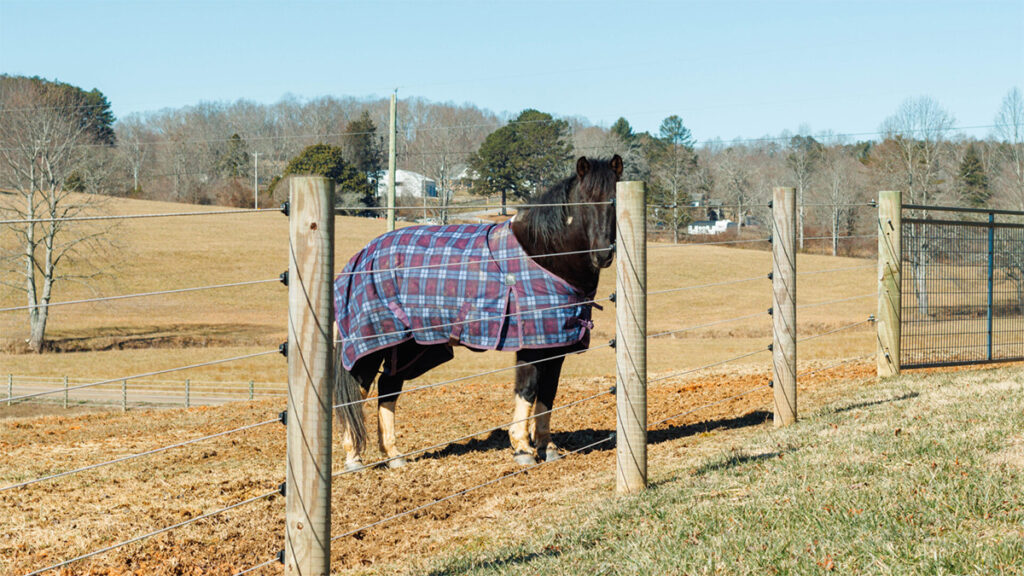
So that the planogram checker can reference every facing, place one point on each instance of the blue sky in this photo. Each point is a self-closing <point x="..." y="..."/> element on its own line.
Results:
<point x="729" y="69"/>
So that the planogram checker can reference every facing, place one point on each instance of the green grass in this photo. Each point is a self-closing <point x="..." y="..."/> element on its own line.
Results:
<point x="915" y="475"/>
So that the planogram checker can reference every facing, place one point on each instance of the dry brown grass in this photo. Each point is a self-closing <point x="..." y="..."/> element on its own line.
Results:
<point x="56" y="520"/>
<point x="180" y="329"/>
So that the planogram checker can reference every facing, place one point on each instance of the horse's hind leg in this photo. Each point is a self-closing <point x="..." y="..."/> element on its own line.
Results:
<point x="388" y="389"/>
<point x="527" y="378"/>
<point x="350" y="387"/>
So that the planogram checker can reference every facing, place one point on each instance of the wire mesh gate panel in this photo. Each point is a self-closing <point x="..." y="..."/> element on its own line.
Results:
<point x="962" y="286"/>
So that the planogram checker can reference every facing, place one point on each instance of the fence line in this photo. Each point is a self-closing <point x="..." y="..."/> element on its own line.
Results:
<point x="140" y="295"/>
<point x="836" y="301"/>
<point x="138" y="216"/>
<point x="470" y="376"/>
<point x="464" y="322"/>
<point x="707" y="325"/>
<point x="710" y="285"/>
<point x="435" y="385"/>
<point x="475" y="434"/>
<point x="471" y="262"/>
<point x="137" y="376"/>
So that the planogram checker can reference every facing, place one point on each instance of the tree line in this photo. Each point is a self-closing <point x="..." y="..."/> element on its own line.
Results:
<point x="57" y="139"/>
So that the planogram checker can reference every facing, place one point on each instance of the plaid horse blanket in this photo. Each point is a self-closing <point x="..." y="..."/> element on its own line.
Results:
<point x="472" y="285"/>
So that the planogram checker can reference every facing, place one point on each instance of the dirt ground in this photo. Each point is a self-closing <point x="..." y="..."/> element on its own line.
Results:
<point x="56" y="520"/>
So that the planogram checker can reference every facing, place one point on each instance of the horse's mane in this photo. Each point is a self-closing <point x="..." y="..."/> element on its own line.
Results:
<point x="546" y="223"/>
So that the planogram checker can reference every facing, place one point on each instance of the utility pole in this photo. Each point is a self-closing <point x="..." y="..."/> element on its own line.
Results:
<point x="391" y="160"/>
<point x="256" y="182"/>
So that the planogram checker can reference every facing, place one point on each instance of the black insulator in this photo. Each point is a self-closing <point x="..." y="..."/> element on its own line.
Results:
<point x="283" y="349"/>
<point x="283" y="417"/>
<point x="284" y="277"/>
<point x="285" y="208"/>
<point x="612" y="342"/>
<point x="282" y="489"/>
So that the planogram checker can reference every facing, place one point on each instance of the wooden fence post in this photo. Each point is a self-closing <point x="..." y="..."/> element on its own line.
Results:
<point x="890" y="266"/>
<point x="188" y="391"/>
<point x="392" y="162"/>
<point x="310" y="376"/>
<point x="784" y="304"/>
<point x="631" y="337"/>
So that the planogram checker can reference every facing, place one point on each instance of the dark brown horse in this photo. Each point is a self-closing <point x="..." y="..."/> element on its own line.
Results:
<point x="569" y="231"/>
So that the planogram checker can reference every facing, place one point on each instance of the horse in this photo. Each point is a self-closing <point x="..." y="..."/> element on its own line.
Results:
<point x="525" y="285"/>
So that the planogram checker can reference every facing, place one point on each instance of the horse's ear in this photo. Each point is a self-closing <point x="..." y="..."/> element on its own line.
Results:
<point x="582" y="167"/>
<point x="617" y="165"/>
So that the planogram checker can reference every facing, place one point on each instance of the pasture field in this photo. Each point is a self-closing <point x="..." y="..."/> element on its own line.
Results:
<point x="55" y="520"/>
<point x="125" y="337"/>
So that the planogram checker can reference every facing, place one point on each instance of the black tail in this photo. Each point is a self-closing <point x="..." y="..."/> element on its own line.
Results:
<point x="347" y="391"/>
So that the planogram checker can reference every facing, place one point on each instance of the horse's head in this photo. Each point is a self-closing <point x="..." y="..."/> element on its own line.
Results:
<point x="595" y="191"/>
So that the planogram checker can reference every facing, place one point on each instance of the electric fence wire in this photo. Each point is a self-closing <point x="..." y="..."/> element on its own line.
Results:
<point x="137" y="376"/>
<point x="830" y="270"/>
<point x="142" y="537"/>
<point x="471" y="262"/>
<point x="707" y="325"/>
<point x="465" y="491"/>
<point x="275" y="560"/>
<point x="140" y="295"/>
<point x="475" y="434"/>
<point x="706" y="366"/>
<point x="699" y="286"/>
<point x="140" y="216"/>
<point x="471" y="376"/>
<point x="691" y="244"/>
<point x="705" y="406"/>
<point x="836" y="330"/>
<point x="137" y="455"/>
<point x="465" y="322"/>
<point x="836" y="301"/>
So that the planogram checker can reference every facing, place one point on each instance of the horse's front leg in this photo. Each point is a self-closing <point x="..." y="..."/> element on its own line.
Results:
<point x="548" y="373"/>
<point x="388" y="388"/>
<point x="536" y="384"/>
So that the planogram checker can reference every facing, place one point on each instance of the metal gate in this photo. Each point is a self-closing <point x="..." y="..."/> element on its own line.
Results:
<point x="962" y="286"/>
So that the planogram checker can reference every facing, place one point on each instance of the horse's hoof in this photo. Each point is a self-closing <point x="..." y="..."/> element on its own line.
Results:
<point x="354" y="465"/>
<point x="524" y="459"/>
<point x="552" y="454"/>
<point x="397" y="463"/>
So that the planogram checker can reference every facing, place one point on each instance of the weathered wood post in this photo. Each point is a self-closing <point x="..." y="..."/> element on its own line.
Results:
<point x="784" y="304"/>
<point x="310" y="377"/>
<point x="890" y="266"/>
<point x="188" y="392"/>
<point x="631" y="337"/>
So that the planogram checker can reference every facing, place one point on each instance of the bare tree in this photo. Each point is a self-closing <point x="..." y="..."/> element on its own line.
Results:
<point x="1010" y="132"/>
<point x="918" y="135"/>
<point x="44" y="138"/>
<point x="838" y="177"/>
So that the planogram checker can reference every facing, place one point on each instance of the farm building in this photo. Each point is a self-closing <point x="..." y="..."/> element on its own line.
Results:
<point x="710" y="227"/>
<point x="407" y="183"/>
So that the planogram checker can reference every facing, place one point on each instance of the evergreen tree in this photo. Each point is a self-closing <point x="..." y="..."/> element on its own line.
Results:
<point x="524" y="157"/>
<point x="233" y="161"/>
<point x="350" y="184"/>
<point x="364" y="147"/>
<point x="673" y="165"/>
<point x="974" y="188"/>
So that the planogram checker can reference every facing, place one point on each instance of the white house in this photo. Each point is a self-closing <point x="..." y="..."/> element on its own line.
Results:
<point x="709" y="227"/>
<point x="407" y="183"/>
